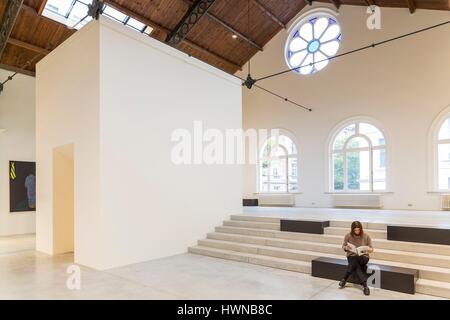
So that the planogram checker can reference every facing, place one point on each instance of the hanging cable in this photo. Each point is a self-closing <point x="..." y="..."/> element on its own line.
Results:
<point x="248" y="34"/>
<point x="373" y="45"/>
<point x="274" y="94"/>
<point x="250" y="82"/>
<point x="84" y="18"/>
<point x="283" y="98"/>
<point x="11" y="77"/>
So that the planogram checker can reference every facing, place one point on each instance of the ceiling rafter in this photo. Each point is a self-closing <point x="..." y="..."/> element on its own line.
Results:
<point x="10" y="15"/>
<point x="269" y="14"/>
<point x="28" y="46"/>
<point x="229" y="28"/>
<point x="194" y="14"/>
<point x="411" y="6"/>
<point x="42" y="7"/>
<point x="337" y="3"/>
<point x="17" y="69"/>
<point x="47" y="33"/>
<point x="165" y="30"/>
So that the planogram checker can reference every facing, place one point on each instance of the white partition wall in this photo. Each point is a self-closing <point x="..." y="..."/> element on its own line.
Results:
<point x="118" y="95"/>
<point x="68" y="112"/>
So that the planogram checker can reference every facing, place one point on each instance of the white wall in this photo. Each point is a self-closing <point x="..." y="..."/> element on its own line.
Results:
<point x="17" y="142"/>
<point x="67" y="111"/>
<point x="402" y="85"/>
<point x="146" y="206"/>
<point x="154" y="207"/>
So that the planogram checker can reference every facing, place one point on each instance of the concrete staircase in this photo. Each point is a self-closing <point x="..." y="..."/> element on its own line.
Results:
<point x="258" y="240"/>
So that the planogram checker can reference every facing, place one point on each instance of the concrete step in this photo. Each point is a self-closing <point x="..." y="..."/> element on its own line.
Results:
<point x="253" y="225"/>
<point x="272" y="262"/>
<point x="340" y="224"/>
<point x="374" y="234"/>
<point x="243" y="217"/>
<point x="366" y="225"/>
<point x="425" y="272"/>
<point x="380" y="254"/>
<point x="423" y="286"/>
<point x="433" y="288"/>
<point x="333" y="239"/>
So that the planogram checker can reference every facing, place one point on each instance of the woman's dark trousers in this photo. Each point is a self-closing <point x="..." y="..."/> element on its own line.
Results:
<point x="357" y="265"/>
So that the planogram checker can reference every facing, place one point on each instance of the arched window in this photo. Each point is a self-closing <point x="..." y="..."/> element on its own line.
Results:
<point x="443" y="156"/>
<point x="358" y="159"/>
<point x="278" y="165"/>
<point x="314" y="39"/>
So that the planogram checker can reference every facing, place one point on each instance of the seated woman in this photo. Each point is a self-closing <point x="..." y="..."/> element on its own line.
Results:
<point x="357" y="264"/>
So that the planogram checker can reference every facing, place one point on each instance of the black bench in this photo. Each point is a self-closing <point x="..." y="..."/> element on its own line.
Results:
<point x="304" y="226"/>
<point x="391" y="278"/>
<point x="418" y="234"/>
<point x="250" y="202"/>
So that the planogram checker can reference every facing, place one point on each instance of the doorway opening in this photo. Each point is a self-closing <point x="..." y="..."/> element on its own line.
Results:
<point x="63" y="199"/>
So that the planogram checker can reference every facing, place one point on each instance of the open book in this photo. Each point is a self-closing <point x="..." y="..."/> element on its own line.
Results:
<point x="360" y="250"/>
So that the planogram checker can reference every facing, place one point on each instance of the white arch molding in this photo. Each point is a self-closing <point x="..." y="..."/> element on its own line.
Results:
<point x="337" y="129"/>
<point x="433" y="156"/>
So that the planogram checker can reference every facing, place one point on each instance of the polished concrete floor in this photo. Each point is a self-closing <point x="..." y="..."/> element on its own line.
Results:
<point x="14" y="244"/>
<point x="27" y="274"/>
<point x="407" y="217"/>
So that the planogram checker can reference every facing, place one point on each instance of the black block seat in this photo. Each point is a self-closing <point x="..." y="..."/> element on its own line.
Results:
<point x="304" y="226"/>
<point x="421" y="234"/>
<point x="250" y="202"/>
<point x="392" y="278"/>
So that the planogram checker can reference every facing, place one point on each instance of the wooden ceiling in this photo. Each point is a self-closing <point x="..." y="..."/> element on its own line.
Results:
<point x="211" y="39"/>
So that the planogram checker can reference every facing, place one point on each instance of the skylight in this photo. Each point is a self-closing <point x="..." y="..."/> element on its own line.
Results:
<point x="73" y="13"/>
<point x="113" y="13"/>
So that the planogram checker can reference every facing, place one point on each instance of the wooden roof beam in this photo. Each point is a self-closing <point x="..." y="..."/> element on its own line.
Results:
<point x="9" y="18"/>
<point x="42" y="7"/>
<point x="165" y="30"/>
<point x="17" y="69"/>
<point x="268" y="13"/>
<point x="411" y="6"/>
<point x="28" y="46"/>
<point x="234" y="31"/>
<point x="229" y="28"/>
<point x="337" y="3"/>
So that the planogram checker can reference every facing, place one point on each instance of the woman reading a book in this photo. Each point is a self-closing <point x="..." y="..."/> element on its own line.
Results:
<point x="358" y="245"/>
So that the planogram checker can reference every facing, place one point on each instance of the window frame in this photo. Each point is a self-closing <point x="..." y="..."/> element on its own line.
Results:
<point x="296" y="25"/>
<point x="331" y="152"/>
<point x="434" y="142"/>
<point x="286" y="157"/>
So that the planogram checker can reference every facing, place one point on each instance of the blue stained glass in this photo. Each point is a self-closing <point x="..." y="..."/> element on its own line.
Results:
<point x="313" y="46"/>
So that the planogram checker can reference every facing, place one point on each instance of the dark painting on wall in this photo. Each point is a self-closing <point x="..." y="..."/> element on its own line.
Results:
<point x="22" y="186"/>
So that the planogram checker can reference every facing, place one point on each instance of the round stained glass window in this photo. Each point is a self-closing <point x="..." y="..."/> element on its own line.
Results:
<point x="311" y="43"/>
